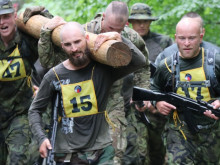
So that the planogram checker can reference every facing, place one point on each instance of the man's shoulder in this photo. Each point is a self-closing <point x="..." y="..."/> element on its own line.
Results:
<point x="94" y="25"/>
<point x="129" y="33"/>
<point x="132" y="35"/>
<point x="210" y="46"/>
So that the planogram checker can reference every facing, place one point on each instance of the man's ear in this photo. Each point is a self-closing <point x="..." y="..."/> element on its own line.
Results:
<point x="103" y="16"/>
<point x="15" y="15"/>
<point x="201" y="37"/>
<point x="87" y="37"/>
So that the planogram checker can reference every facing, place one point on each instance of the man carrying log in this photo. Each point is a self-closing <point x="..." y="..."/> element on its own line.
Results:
<point x="102" y="23"/>
<point x="83" y="85"/>
<point x="18" y="52"/>
<point x="115" y="18"/>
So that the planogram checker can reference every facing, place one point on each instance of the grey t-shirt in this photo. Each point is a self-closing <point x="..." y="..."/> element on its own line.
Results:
<point x="89" y="132"/>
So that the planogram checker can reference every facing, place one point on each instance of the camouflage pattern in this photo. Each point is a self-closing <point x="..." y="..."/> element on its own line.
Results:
<point x="48" y="57"/>
<point x="14" y="143"/>
<point x="115" y="102"/>
<point x="141" y="11"/>
<point x="199" y="148"/>
<point x="102" y="157"/>
<point x="115" y="105"/>
<point x="137" y="151"/>
<point x="16" y="97"/>
<point x="202" y="148"/>
<point x="116" y="114"/>
<point x="150" y="149"/>
<point x="6" y="7"/>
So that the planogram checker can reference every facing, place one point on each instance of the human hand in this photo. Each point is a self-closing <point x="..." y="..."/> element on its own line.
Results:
<point x="36" y="89"/>
<point x="44" y="147"/>
<point x="54" y="22"/>
<point x="101" y="38"/>
<point x="164" y="108"/>
<point x="208" y="113"/>
<point x="145" y="105"/>
<point x="30" y="11"/>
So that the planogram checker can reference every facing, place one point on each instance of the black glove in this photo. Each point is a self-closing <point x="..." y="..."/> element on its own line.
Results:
<point x="34" y="10"/>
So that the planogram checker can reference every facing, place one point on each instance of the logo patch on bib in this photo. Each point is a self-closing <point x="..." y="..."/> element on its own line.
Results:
<point x="78" y="89"/>
<point x="188" y="77"/>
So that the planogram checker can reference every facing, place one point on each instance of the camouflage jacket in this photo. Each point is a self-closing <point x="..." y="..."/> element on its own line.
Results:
<point x="16" y="95"/>
<point x="115" y="99"/>
<point x="94" y="26"/>
<point x="46" y="50"/>
<point x="156" y="43"/>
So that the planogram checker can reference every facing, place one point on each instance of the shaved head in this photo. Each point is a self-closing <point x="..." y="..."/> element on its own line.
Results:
<point x="74" y="43"/>
<point x="196" y="17"/>
<point x="188" y="22"/>
<point x="188" y="37"/>
<point x="115" y="17"/>
<point x="119" y="10"/>
<point x="71" y="26"/>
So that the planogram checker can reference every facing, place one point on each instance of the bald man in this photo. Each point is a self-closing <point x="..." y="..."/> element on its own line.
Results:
<point x="114" y="18"/>
<point x="83" y="87"/>
<point x="197" y="143"/>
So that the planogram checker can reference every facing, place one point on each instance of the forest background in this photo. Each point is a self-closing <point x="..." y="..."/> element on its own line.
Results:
<point x="168" y="11"/>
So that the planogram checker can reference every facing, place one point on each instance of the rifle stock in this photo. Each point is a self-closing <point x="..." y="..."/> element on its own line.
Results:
<point x="53" y="131"/>
<point x="178" y="101"/>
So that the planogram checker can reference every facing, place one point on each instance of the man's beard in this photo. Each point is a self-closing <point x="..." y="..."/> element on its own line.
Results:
<point x="82" y="60"/>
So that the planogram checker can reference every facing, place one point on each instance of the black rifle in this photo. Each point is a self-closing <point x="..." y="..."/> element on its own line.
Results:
<point x="53" y="132"/>
<point x="184" y="104"/>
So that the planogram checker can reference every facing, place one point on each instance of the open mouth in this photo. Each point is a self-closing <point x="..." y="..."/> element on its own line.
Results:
<point x="4" y="28"/>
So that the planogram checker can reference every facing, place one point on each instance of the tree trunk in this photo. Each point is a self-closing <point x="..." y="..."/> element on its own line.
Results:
<point x="111" y="52"/>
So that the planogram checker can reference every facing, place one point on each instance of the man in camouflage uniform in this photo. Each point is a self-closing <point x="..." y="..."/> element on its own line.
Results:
<point x="18" y="53"/>
<point x="198" y="142"/>
<point x="108" y="21"/>
<point x="150" y="145"/>
<point x="141" y="18"/>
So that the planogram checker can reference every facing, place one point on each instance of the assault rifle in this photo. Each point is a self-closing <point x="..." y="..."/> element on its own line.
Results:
<point x="184" y="104"/>
<point x="53" y="132"/>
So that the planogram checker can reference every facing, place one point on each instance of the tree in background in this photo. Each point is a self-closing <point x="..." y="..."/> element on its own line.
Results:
<point x="169" y="11"/>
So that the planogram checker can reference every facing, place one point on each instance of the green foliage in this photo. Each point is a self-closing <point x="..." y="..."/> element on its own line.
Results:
<point x="169" y="12"/>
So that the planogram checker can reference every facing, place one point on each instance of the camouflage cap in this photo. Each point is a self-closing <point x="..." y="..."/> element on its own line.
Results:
<point x="141" y="11"/>
<point x="6" y="7"/>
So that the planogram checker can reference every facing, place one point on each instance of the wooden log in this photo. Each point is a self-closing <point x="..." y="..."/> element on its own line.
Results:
<point x="111" y="52"/>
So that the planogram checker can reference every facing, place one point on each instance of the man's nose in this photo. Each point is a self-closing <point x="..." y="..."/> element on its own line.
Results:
<point x="187" y="42"/>
<point x="73" y="48"/>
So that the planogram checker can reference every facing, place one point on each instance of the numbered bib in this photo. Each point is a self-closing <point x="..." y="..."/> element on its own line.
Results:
<point x="12" y="69"/>
<point x="79" y="99"/>
<point x="197" y="74"/>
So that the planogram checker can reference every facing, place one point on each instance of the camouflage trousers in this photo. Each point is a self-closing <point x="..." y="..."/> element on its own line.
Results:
<point x="14" y="142"/>
<point x="118" y="134"/>
<point x="199" y="149"/>
<point x="144" y="141"/>
<point x="136" y="152"/>
<point x="98" y="157"/>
